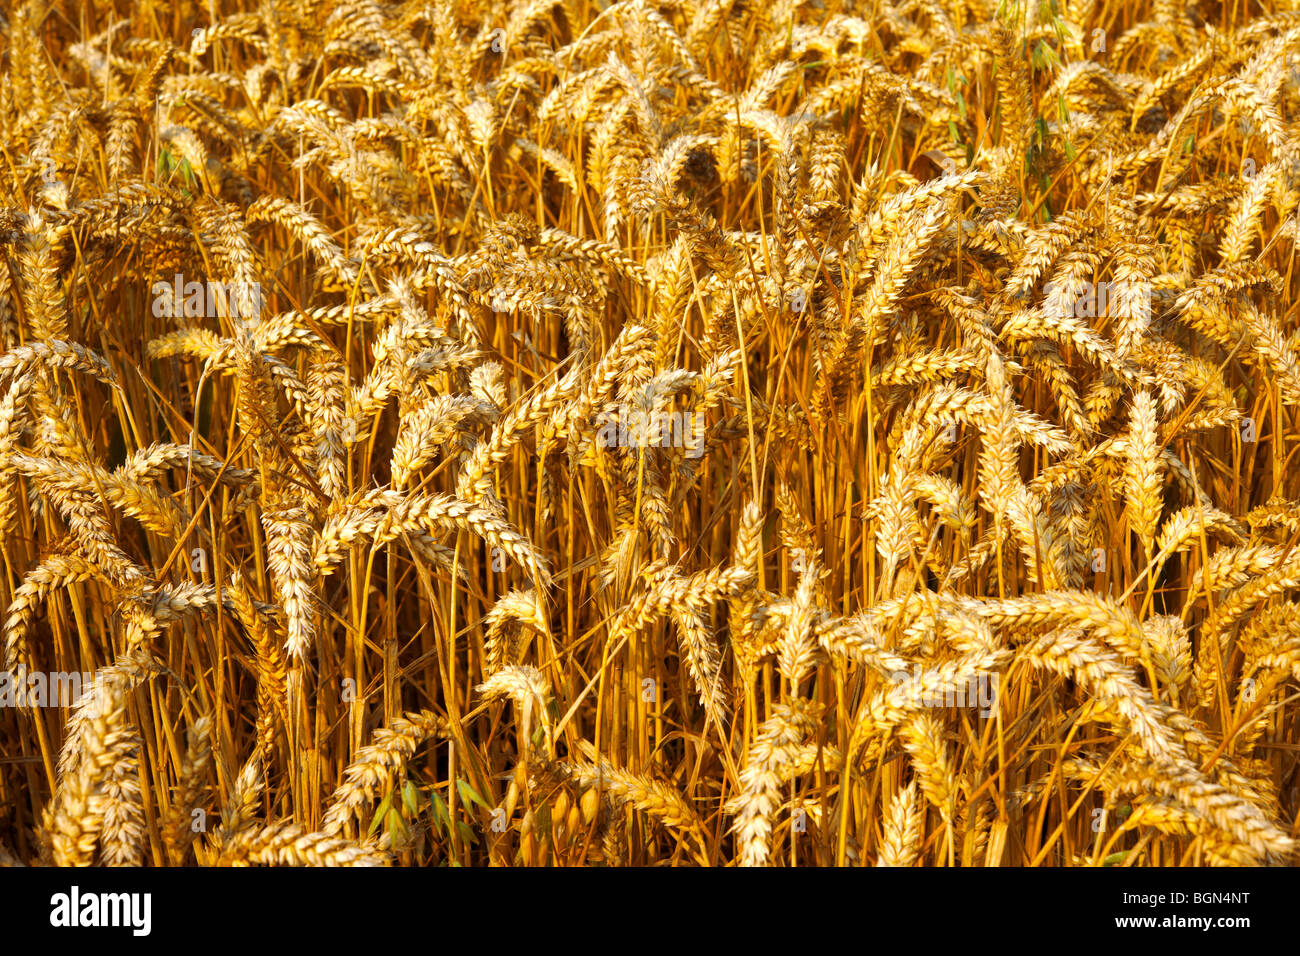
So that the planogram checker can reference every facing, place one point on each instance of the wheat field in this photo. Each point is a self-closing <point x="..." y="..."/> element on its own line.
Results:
<point x="663" y="432"/>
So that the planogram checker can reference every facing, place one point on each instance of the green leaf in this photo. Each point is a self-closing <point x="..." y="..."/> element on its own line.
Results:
<point x="187" y="171"/>
<point x="380" y="812"/>
<point x="468" y="795"/>
<point x="466" y="833"/>
<point x="396" y="825"/>
<point x="441" y="818"/>
<point x="1115" y="858"/>
<point x="168" y="165"/>
<point x="411" y="798"/>
<point x="1043" y="56"/>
